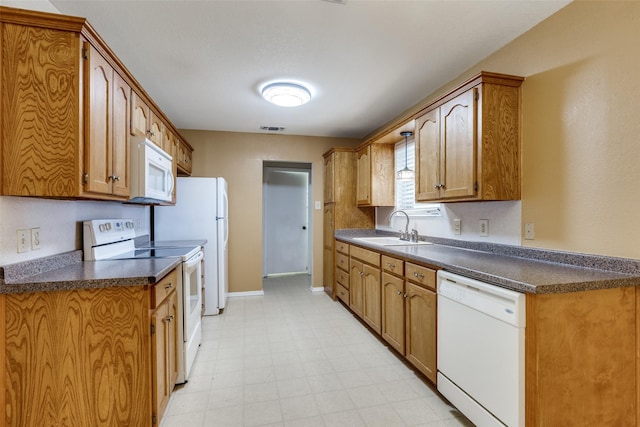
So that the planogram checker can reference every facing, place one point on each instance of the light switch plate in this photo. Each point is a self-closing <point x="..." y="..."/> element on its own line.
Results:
<point x="24" y="239"/>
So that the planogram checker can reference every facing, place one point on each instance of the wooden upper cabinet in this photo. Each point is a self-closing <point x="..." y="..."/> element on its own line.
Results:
<point x="184" y="153"/>
<point x="106" y="127"/>
<point x="328" y="179"/>
<point x="41" y="111"/>
<point x="69" y="109"/>
<point x="375" y="179"/>
<point x="468" y="142"/>
<point x="144" y="122"/>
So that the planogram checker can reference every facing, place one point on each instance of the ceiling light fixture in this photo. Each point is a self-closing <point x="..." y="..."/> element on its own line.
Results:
<point x="405" y="174"/>
<point x="286" y="94"/>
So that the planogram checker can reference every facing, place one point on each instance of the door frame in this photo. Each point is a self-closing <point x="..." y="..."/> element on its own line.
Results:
<point x="284" y="166"/>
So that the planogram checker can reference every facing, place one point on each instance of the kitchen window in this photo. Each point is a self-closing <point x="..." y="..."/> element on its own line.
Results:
<point x="406" y="190"/>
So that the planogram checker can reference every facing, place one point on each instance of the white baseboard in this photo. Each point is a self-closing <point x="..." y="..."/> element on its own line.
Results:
<point x="245" y="294"/>
<point x="316" y="289"/>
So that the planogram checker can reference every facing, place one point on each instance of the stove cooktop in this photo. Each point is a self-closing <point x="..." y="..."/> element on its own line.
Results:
<point x="162" y="252"/>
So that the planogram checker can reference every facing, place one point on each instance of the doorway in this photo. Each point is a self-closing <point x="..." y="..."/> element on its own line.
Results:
<point x="286" y="218"/>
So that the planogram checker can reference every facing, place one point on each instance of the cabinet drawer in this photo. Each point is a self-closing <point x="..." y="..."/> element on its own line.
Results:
<point x="366" y="255"/>
<point x="343" y="293"/>
<point x="342" y="261"/>
<point x="342" y="247"/>
<point x="392" y="265"/>
<point x="163" y="288"/>
<point x="422" y="275"/>
<point x="342" y="277"/>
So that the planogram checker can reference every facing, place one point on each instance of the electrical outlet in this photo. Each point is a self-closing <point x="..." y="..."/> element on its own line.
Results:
<point x="529" y="231"/>
<point x="484" y="227"/>
<point x="35" y="238"/>
<point x="457" y="226"/>
<point x="23" y="241"/>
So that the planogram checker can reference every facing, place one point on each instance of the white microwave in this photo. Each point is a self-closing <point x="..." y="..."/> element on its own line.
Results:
<point x="151" y="173"/>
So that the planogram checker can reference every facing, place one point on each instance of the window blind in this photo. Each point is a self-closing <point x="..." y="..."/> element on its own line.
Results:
<point x="405" y="190"/>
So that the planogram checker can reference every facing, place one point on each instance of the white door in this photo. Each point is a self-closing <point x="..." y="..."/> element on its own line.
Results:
<point x="286" y="228"/>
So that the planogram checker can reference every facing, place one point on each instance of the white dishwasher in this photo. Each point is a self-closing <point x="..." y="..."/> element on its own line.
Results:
<point x="481" y="350"/>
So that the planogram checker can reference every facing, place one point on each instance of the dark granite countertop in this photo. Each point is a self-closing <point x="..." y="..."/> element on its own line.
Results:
<point x="521" y="269"/>
<point x="68" y="271"/>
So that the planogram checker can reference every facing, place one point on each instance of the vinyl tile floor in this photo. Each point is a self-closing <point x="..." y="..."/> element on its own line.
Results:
<point x="297" y="358"/>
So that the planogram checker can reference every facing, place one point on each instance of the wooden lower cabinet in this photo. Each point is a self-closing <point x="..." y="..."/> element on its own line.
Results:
<point x="420" y="318"/>
<point x="364" y="286"/>
<point x="356" y="287"/>
<point x="84" y="357"/>
<point x="409" y="314"/>
<point x="164" y="333"/>
<point x="393" y="311"/>
<point x="78" y="358"/>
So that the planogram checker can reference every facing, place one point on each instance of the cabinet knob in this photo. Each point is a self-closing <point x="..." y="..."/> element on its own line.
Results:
<point x="391" y="266"/>
<point x="168" y="318"/>
<point x="399" y="292"/>
<point x="361" y="273"/>
<point x="419" y="275"/>
<point x="169" y="286"/>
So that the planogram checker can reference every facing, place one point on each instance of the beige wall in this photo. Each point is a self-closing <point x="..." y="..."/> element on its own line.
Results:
<point x="581" y="130"/>
<point x="238" y="157"/>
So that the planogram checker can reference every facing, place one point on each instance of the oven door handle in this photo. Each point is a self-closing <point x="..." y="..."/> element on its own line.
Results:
<point x="194" y="259"/>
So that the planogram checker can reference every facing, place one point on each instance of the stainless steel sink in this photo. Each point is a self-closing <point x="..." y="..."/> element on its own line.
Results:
<point x="389" y="241"/>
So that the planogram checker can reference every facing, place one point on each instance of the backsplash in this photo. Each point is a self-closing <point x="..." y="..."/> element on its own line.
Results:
<point x="60" y="223"/>
<point x="504" y="222"/>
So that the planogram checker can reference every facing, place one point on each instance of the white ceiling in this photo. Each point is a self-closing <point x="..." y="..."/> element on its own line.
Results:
<point x="204" y="62"/>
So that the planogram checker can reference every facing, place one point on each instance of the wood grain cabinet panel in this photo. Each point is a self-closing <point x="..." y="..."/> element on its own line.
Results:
<point x="78" y="358"/>
<point x="67" y="110"/>
<point x="41" y="111"/>
<point x="340" y="209"/>
<point x="420" y="326"/>
<point x="144" y="122"/>
<point x="108" y="96"/>
<point x="376" y="175"/>
<point x="393" y="312"/>
<point x="468" y="142"/>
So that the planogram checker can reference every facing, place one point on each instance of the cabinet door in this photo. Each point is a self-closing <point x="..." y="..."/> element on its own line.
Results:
<point x="160" y="358"/>
<point x="393" y="311"/>
<point x="363" y="188"/>
<point x="328" y="178"/>
<point x="458" y="146"/>
<point x="356" y="287"/>
<point x="120" y="136"/>
<point x="328" y="250"/>
<point x="139" y="116"/>
<point x="98" y="122"/>
<point x="421" y="329"/>
<point x="155" y="128"/>
<point x="172" y="337"/>
<point x="372" y="305"/>
<point x="427" y="138"/>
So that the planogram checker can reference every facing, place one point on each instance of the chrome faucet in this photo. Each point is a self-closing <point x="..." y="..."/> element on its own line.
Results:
<point x="405" y="235"/>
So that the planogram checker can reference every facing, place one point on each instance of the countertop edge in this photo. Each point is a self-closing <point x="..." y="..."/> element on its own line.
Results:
<point x="616" y="280"/>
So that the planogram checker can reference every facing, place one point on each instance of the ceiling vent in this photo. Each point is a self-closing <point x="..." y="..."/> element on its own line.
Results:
<point x="336" y="1"/>
<point x="272" y="128"/>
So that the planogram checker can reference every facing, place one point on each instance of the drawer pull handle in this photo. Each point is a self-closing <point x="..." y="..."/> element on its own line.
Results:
<point x="419" y="275"/>
<point x="391" y="266"/>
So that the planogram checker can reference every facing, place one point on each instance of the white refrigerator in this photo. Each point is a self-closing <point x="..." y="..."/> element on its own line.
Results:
<point x="201" y="212"/>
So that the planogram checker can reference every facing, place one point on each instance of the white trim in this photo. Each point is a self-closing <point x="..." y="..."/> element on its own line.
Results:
<point x="316" y="288"/>
<point x="245" y="294"/>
